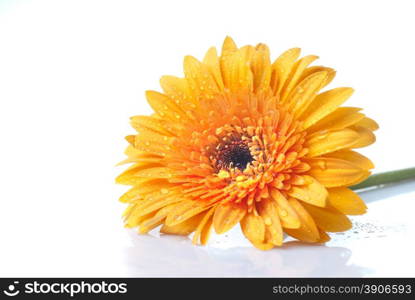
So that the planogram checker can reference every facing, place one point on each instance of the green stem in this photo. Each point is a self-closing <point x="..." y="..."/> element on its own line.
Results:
<point x="386" y="177"/>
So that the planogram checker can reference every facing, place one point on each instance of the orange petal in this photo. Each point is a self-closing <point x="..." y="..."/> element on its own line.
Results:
<point x="295" y="75"/>
<point x="164" y="106"/>
<point x="185" y="210"/>
<point x="287" y="214"/>
<point x="261" y="67"/>
<point x="183" y="228"/>
<point x="204" y="228"/>
<point x="368" y="123"/>
<point x="341" y="118"/>
<point x="308" y="231"/>
<point x="200" y="79"/>
<point x="366" y="137"/>
<point x="329" y="219"/>
<point x="253" y="228"/>
<point x="313" y="192"/>
<point x="355" y="158"/>
<point x="281" y="68"/>
<point x="324" y="104"/>
<point x="156" y="220"/>
<point x="178" y="90"/>
<point x="346" y="201"/>
<point x="333" y="172"/>
<point x="268" y="210"/>
<point x="304" y="93"/>
<point x="212" y="62"/>
<point x="323" y="142"/>
<point x="227" y="215"/>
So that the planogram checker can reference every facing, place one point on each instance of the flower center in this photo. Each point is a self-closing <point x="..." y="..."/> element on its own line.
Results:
<point x="235" y="154"/>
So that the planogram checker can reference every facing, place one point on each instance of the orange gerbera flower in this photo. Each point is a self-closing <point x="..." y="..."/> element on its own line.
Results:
<point x="242" y="140"/>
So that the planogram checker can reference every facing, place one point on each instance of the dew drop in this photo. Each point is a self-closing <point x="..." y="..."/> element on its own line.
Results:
<point x="164" y="191"/>
<point x="284" y="213"/>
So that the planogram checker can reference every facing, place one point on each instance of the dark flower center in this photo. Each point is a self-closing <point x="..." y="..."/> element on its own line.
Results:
<point x="234" y="155"/>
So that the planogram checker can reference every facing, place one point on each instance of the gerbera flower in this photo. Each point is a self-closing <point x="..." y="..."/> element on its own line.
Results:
<point x="241" y="140"/>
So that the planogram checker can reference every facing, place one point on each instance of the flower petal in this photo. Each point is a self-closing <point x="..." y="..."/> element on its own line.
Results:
<point x="303" y="94"/>
<point x="323" y="142"/>
<point x="341" y="118"/>
<point x="368" y="123"/>
<point x="213" y="63"/>
<point x="308" y="231"/>
<point x="165" y="107"/>
<point x="353" y="157"/>
<point x="295" y="75"/>
<point x="324" y="104"/>
<point x="199" y="78"/>
<point x="329" y="219"/>
<point x="203" y="229"/>
<point x="268" y="210"/>
<point x="313" y="192"/>
<point x="333" y="172"/>
<point x="366" y="137"/>
<point x="185" y="210"/>
<point x="183" y="228"/>
<point x="287" y="214"/>
<point x="253" y="227"/>
<point x="227" y="215"/>
<point x="281" y="68"/>
<point x="346" y="201"/>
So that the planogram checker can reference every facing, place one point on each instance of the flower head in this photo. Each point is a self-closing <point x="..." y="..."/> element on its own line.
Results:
<point x="243" y="140"/>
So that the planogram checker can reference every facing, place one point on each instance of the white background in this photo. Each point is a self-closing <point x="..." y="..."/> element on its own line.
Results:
<point x="73" y="72"/>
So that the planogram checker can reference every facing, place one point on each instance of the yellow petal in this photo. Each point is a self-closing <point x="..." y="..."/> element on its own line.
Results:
<point x="228" y="46"/>
<point x="268" y="210"/>
<point x="237" y="73"/>
<point x="295" y="75"/>
<point x="153" y="203"/>
<point x="368" y="123"/>
<point x="341" y="118"/>
<point x="329" y="219"/>
<point x="156" y="219"/>
<point x="323" y="142"/>
<point x="324" y="237"/>
<point x="301" y="97"/>
<point x="212" y="62"/>
<point x="287" y="214"/>
<point x="183" y="228"/>
<point x="346" y="201"/>
<point x="261" y="67"/>
<point x="200" y="79"/>
<point x="331" y="73"/>
<point x="308" y="231"/>
<point x="263" y="245"/>
<point x="333" y="172"/>
<point x="227" y="215"/>
<point x="355" y="158"/>
<point x="155" y="172"/>
<point x="253" y="228"/>
<point x="281" y="68"/>
<point x="130" y="177"/>
<point x="203" y="230"/>
<point x="185" y="210"/>
<point x="150" y="123"/>
<point x="178" y="90"/>
<point x="366" y="137"/>
<point x="164" y="106"/>
<point x="313" y="192"/>
<point x="324" y="104"/>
